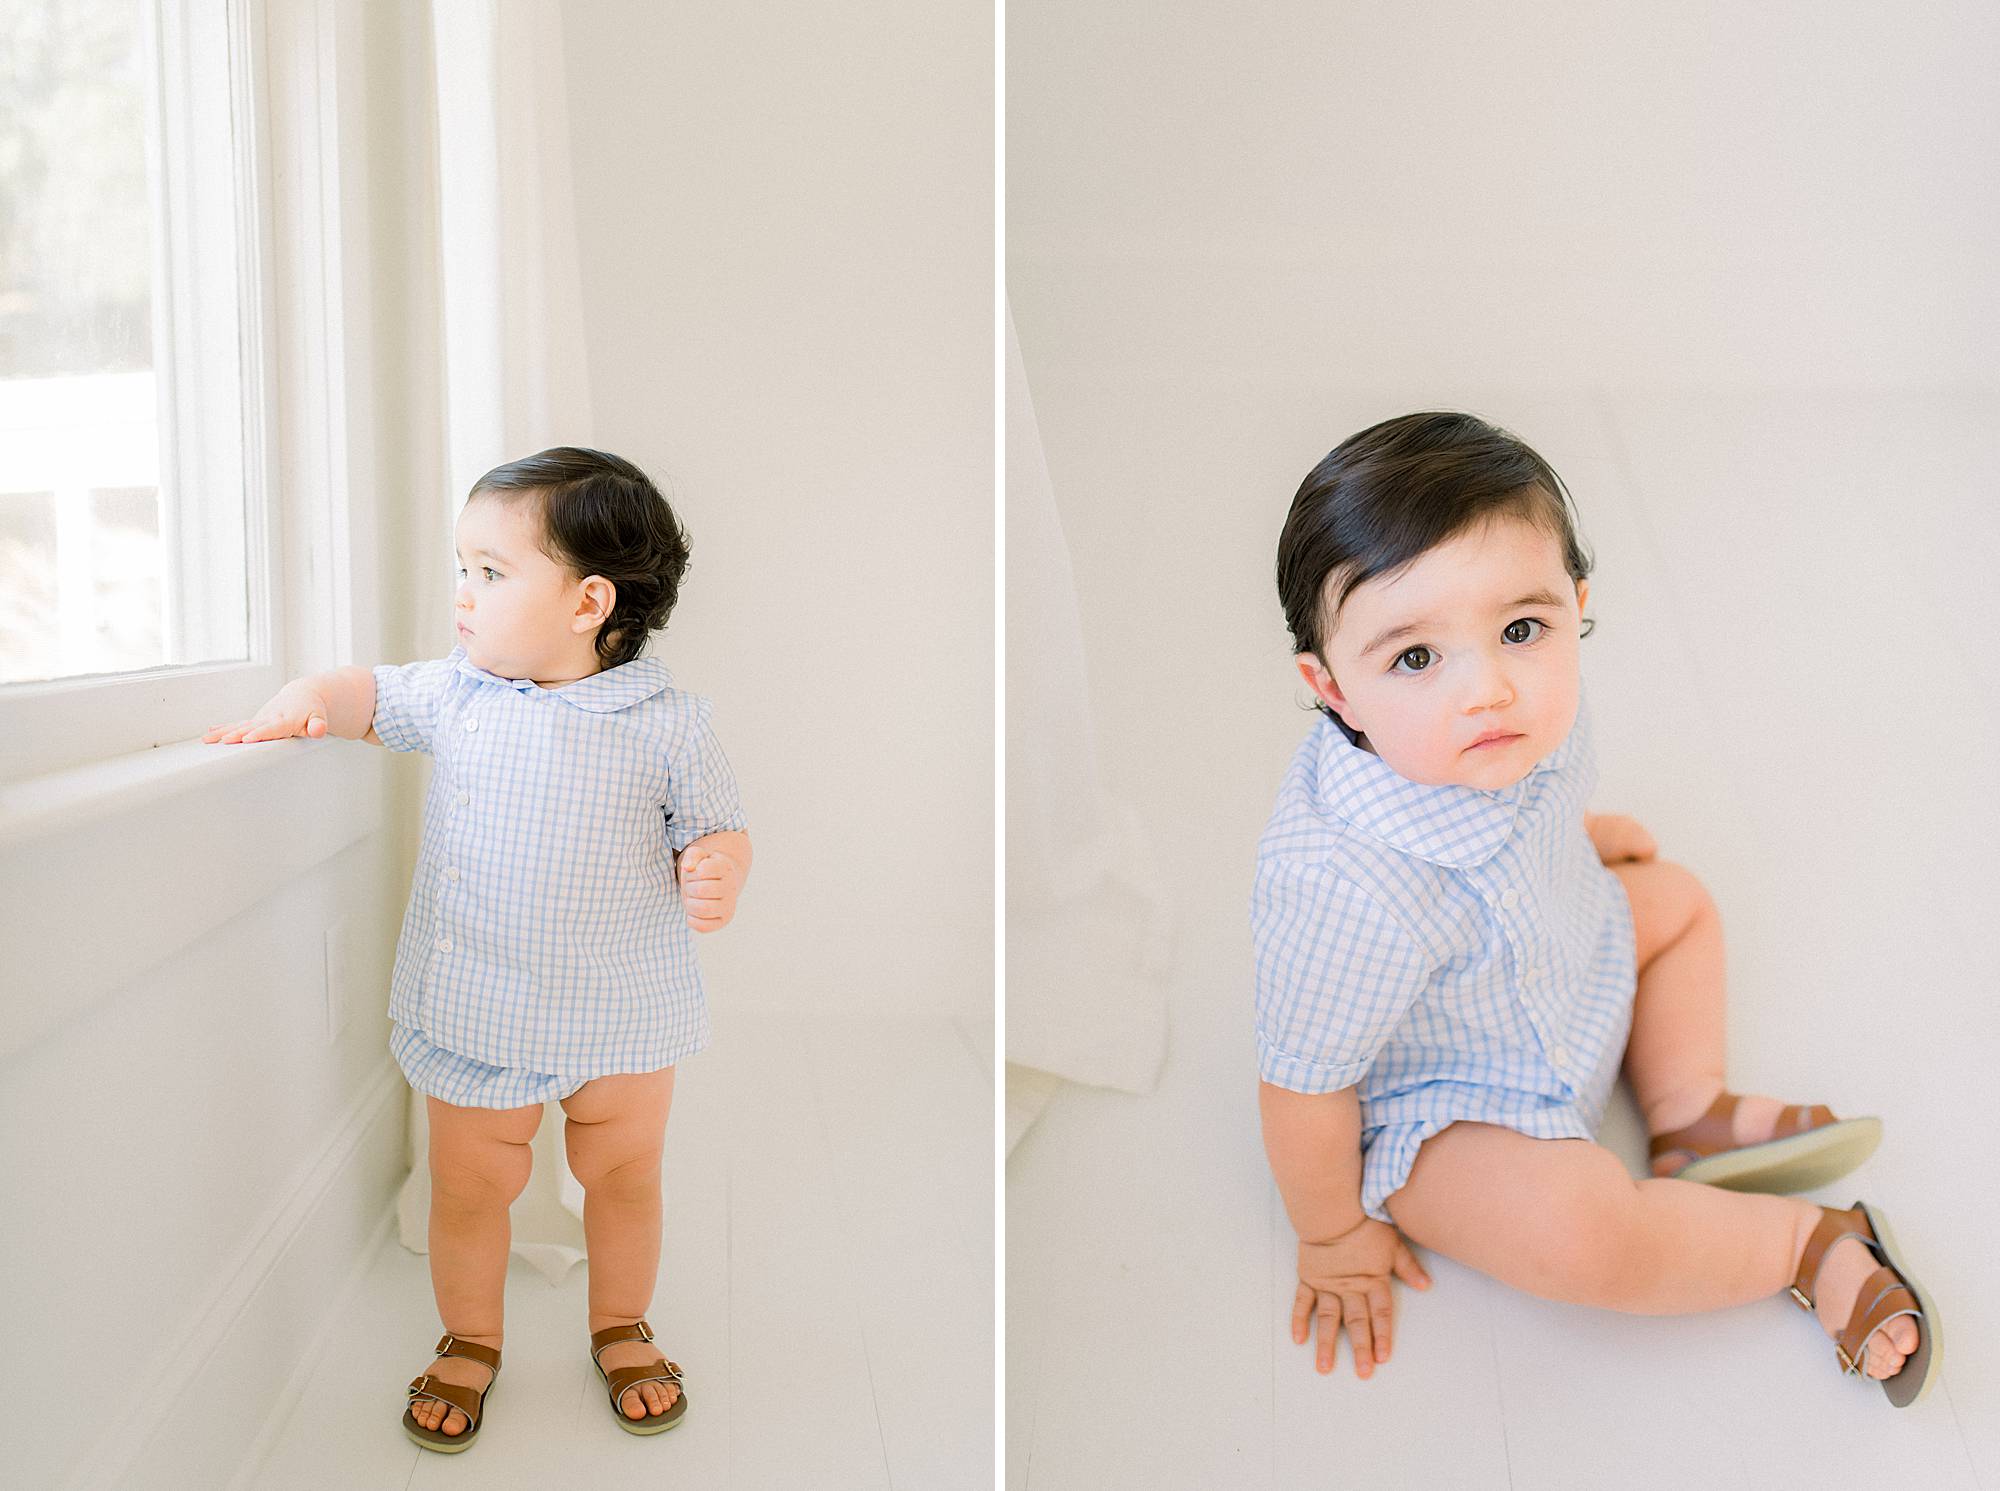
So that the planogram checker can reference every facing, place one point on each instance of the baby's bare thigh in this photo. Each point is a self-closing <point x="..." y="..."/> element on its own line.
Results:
<point x="1536" y="1214"/>
<point x="617" y="1124"/>
<point x="481" y="1154"/>
<point x="1665" y="898"/>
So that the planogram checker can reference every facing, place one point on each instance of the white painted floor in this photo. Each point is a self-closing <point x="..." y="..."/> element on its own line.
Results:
<point x="1796" y="678"/>
<point x="826" y="1282"/>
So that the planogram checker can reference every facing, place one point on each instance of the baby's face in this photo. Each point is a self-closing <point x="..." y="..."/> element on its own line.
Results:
<point x="1478" y="635"/>
<point x="519" y="615"/>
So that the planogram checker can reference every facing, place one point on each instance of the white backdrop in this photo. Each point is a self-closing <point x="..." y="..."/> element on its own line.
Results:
<point x="785" y="223"/>
<point x="1729" y="269"/>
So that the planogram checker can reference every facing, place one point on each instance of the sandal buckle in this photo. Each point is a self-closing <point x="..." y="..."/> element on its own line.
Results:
<point x="1800" y="1295"/>
<point x="1848" y="1365"/>
<point x="444" y="1344"/>
<point x="645" y="1330"/>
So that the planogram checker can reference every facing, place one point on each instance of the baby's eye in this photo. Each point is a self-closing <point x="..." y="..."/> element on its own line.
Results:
<point x="1429" y="656"/>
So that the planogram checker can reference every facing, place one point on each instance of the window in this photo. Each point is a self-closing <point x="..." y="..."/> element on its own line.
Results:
<point x="131" y="513"/>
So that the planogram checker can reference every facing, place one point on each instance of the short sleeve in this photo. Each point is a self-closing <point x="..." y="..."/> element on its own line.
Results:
<point x="701" y="789"/>
<point x="1335" y="975"/>
<point x="406" y="702"/>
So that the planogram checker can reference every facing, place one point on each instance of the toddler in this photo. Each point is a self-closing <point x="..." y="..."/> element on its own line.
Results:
<point x="581" y="821"/>
<point x="1453" y="960"/>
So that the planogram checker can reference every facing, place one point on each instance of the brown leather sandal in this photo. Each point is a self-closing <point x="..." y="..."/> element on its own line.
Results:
<point x="1807" y="1148"/>
<point x="619" y="1379"/>
<point x="470" y="1401"/>
<point x="1884" y="1295"/>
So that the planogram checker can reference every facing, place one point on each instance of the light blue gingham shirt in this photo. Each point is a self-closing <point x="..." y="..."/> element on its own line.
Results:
<point x="1454" y="953"/>
<point x="545" y="928"/>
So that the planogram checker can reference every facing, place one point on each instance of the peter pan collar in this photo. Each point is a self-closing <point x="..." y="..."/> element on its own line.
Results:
<point x="600" y="693"/>
<point x="1457" y="827"/>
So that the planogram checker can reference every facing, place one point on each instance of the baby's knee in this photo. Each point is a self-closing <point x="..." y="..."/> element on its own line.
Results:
<point x="1594" y="1246"/>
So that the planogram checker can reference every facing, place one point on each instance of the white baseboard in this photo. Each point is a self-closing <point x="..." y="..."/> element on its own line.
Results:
<point x="215" y="1403"/>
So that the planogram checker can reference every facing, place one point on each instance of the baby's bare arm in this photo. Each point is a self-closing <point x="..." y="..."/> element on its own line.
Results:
<point x="1346" y="1257"/>
<point x="1313" y="1142"/>
<point x="339" y="702"/>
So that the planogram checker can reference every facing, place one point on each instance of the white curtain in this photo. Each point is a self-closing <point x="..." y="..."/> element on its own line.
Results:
<point x="515" y="383"/>
<point x="1087" y="931"/>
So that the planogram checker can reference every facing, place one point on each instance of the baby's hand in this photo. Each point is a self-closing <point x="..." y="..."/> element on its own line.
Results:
<point x="1348" y="1276"/>
<point x="1618" y="838"/>
<point x="293" y="710"/>
<point x="710" y="880"/>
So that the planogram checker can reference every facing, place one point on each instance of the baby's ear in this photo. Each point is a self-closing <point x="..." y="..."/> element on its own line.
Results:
<point x="1313" y="671"/>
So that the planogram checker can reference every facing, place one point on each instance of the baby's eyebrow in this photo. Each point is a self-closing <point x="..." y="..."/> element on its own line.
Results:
<point x="488" y="553"/>
<point x="1532" y="598"/>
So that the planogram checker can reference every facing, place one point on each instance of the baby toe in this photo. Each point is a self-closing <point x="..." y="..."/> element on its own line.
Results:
<point x="631" y="1405"/>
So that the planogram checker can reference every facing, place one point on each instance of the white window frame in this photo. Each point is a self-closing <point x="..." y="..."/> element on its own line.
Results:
<point x="270" y="381"/>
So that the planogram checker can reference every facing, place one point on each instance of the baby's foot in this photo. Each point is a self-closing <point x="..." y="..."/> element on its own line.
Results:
<point x="1754" y="1121"/>
<point x="1843" y="1270"/>
<point x="429" y="1412"/>
<point x="648" y="1398"/>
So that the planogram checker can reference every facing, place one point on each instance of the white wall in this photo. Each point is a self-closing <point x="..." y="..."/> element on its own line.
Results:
<point x="1708" y="195"/>
<point x="785" y="216"/>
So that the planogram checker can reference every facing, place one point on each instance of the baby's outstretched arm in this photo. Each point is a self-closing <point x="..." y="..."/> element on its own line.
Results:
<point x="712" y="870"/>
<point x="339" y="702"/>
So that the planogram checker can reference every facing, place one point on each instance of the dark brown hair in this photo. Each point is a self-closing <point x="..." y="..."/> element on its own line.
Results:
<point x="602" y="516"/>
<point x="1398" y="489"/>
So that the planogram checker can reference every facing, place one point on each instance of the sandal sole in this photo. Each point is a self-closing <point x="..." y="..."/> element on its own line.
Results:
<point x="669" y="1420"/>
<point x="1921" y="1368"/>
<point x="1798" y="1162"/>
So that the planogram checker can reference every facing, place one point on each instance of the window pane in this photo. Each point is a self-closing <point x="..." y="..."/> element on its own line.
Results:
<point x="98" y="555"/>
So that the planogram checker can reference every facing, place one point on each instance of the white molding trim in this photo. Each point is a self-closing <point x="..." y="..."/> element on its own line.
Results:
<point x="197" y="1376"/>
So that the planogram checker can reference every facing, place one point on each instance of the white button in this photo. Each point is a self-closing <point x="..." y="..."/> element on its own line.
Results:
<point x="472" y="724"/>
<point x="1510" y="899"/>
<point x="444" y="944"/>
<point x="465" y="797"/>
<point x="451" y="872"/>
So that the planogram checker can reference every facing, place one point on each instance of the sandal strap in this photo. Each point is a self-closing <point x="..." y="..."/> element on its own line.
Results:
<point x="472" y="1351"/>
<point x="1705" y="1135"/>
<point x="1833" y="1226"/>
<point x="1712" y="1132"/>
<point x="1888" y="1298"/>
<point x="638" y="1331"/>
<point x="467" y="1400"/>
<point x="1801" y="1117"/>
<point x="619" y="1379"/>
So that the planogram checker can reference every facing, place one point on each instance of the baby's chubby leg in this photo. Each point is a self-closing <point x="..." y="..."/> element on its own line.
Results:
<point x="1675" y="1057"/>
<point x="1561" y="1219"/>
<point x="615" y="1137"/>
<point x="480" y="1161"/>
